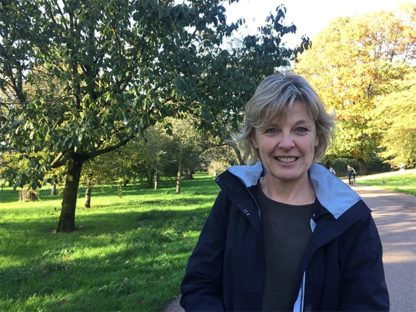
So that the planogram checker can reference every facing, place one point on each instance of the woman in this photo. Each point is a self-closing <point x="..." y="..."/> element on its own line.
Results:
<point x="285" y="234"/>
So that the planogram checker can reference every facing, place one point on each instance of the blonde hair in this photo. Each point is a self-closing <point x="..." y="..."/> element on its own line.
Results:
<point x="274" y="96"/>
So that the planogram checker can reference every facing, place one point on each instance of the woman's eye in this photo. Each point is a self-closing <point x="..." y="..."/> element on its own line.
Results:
<point x="302" y="130"/>
<point x="270" y="130"/>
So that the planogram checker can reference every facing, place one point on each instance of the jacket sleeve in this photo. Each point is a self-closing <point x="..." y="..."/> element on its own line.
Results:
<point x="202" y="285"/>
<point x="363" y="286"/>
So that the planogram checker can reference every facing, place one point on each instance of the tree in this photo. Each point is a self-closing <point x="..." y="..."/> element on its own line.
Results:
<point x="395" y="117"/>
<point x="116" y="167"/>
<point x="83" y="78"/>
<point x="149" y="156"/>
<point x="186" y="147"/>
<point x="351" y="63"/>
<point x="170" y="148"/>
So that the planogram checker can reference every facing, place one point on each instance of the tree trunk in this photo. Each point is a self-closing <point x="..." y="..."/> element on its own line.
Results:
<point x="67" y="217"/>
<point x="54" y="190"/>
<point x="88" y="190"/>
<point x="28" y="195"/>
<point x="236" y="150"/>
<point x="155" y="180"/>
<point x="178" y="176"/>
<point x="362" y="167"/>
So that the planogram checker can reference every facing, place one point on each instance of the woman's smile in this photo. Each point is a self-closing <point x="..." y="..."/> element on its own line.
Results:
<point x="286" y="159"/>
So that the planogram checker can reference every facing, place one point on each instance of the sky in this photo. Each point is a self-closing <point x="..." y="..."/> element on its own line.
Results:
<point x="309" y="16"/>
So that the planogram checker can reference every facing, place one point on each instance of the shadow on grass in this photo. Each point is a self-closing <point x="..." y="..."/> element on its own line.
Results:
<point x="8" y="196"/>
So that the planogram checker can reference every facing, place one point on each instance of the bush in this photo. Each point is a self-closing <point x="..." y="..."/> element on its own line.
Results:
<point x="374" y="165"/>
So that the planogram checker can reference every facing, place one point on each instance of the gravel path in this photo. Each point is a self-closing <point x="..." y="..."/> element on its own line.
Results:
<point x="174" y="306"/>
<point x="395" y="215"/>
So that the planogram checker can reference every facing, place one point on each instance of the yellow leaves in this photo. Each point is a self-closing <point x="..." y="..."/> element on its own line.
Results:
<point x="356" y="64"/>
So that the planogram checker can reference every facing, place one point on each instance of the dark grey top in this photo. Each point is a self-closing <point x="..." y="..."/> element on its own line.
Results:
<point x="286" y="230"/>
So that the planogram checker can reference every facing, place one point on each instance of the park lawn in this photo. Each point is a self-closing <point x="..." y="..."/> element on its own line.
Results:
<point x="128" y="254"/>
<point x="405" y="183"/>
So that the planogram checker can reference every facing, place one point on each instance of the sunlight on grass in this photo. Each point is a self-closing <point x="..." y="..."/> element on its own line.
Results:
<point x="405" y="183"/>
<point x="128" y="254"/>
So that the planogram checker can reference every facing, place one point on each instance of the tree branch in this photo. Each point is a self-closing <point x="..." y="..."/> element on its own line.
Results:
<point x="110" y="148"/>
<point x="60" y="160"/>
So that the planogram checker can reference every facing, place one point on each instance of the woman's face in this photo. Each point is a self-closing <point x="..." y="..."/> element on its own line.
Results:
<point x="287" y="145"/>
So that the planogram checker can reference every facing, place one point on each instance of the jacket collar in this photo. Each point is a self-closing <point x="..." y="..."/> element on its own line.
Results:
<point x="333" y="194"/>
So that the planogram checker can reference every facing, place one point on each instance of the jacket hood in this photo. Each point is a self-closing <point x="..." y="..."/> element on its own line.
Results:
<point x="332" y="193"/>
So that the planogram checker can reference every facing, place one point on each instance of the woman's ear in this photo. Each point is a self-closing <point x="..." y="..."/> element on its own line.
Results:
<point x="317" y="141"/>
<point x="253" y="140"/>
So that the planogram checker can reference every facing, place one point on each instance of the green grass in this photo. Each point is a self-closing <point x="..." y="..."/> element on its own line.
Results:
<point x="405" y="183"/>
<point x="128" y="253"/>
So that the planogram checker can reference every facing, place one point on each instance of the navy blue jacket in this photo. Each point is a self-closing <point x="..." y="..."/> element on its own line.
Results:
<point x="341" y="269"/>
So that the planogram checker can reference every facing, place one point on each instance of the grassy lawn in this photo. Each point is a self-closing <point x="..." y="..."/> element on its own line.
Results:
<point x="128" y="254"/>
<point x="405" y="183"/>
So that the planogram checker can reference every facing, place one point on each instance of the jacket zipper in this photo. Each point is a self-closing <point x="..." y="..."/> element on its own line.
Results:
<point x="300" y="301"/>
<point x="255" y="201"/>
<point x="302" y="295"/>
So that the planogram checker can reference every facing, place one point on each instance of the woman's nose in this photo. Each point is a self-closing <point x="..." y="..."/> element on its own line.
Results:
<point x="286" y="142"/>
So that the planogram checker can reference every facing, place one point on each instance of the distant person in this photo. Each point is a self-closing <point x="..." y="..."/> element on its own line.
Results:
<point x="351" y="173"/>
<point x="284" y="233"/>
<point x="332" y="170"/>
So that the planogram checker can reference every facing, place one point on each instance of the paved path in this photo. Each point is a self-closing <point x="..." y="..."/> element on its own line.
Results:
<point x="395" y="215"/>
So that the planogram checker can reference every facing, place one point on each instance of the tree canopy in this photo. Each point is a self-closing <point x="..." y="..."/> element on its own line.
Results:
<point x="353" y="63"/>
<point x="396" y="119"/>
<point x="79" y="79"/>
